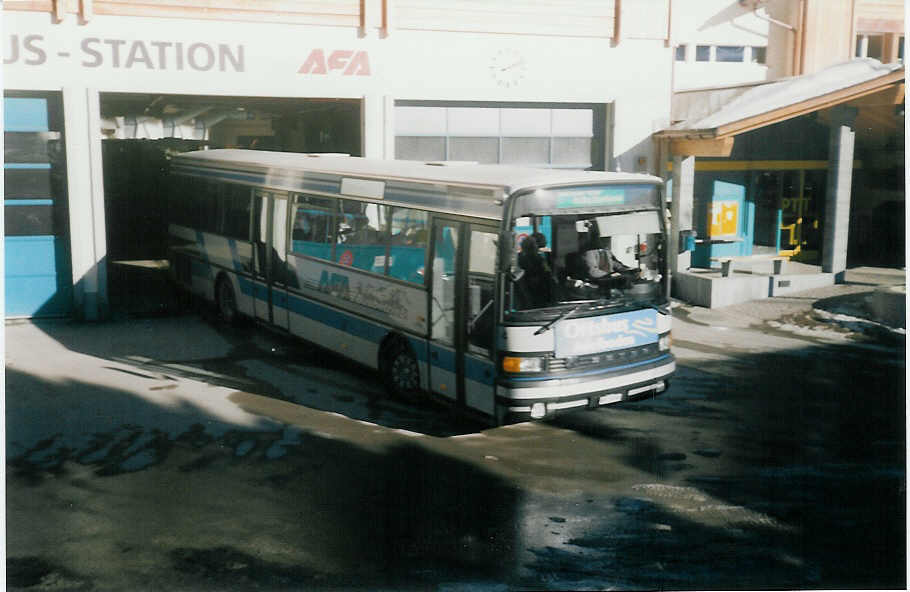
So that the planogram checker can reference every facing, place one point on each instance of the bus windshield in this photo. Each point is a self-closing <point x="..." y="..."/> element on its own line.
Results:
<point x="564" y="260"/>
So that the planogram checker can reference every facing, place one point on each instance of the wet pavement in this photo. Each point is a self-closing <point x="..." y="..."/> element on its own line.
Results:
<point x="174" y="453"/>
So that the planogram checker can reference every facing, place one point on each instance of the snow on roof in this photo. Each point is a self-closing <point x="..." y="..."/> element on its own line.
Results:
<point x="511" y="178"/>
<point x="767" y="98"/>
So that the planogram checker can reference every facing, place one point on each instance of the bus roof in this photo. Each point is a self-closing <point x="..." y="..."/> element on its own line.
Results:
<point x="509" y="178"/>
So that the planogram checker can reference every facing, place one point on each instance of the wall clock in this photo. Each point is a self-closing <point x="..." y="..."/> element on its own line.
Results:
<point x="507" y="67"/>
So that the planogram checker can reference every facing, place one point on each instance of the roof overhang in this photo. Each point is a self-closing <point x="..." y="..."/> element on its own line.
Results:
<point x="717" y="139"/>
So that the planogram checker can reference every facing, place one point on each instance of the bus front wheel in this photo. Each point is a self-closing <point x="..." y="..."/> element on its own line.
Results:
<point x="400" y="371"/>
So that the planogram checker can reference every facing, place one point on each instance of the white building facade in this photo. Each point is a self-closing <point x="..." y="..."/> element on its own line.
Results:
<point x="532" y="83"/>
<point x="719" y="43"/>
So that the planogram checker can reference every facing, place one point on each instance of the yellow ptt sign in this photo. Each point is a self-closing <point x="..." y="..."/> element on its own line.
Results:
<point x="723" y="219"/>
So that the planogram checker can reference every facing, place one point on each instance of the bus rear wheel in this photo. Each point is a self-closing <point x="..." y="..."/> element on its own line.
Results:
<point x="400" y="371"/>
<point x="225" y="301"/>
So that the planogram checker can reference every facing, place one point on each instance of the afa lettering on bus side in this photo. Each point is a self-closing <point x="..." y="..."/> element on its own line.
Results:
<point x="334" y="283"/>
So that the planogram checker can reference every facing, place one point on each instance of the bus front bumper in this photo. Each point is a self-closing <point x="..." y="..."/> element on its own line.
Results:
<point x="548" y="397"/>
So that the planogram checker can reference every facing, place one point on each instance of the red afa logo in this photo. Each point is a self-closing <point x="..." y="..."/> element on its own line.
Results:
<point x="345" y="61"/>
<point x="346" y="258"/>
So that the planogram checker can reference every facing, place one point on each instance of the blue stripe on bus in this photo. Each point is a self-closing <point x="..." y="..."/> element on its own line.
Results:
<point x="27" y="165"/>
<point x="28" y="202"/>
<point x="235" y="259"/>
<point x="336" y="319"/>
<point x="442" y="357"/>
<point x="477" y="370"/>
<point x="588" y="373"/>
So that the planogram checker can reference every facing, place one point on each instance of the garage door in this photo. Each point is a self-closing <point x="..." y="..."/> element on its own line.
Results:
<point x="37" y="258"/>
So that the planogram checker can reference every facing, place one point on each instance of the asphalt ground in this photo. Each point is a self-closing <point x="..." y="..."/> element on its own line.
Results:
<point x="175" y="453"/>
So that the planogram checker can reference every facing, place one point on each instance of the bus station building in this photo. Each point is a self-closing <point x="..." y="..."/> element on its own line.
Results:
<point x="99" y="93"/>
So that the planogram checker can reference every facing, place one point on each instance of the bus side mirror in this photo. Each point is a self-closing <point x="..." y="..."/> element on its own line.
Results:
<point x="686" y="240"/>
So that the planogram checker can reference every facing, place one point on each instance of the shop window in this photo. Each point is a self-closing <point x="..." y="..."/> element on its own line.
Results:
<point x="702" y="53"/>
<point x="681" y="53"/>
<point x="730" y="53"/>
<point x="759" y="54"/>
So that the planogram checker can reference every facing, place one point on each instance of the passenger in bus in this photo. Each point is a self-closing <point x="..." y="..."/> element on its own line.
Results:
<point x="303" y="227"/>
<point x="535" y="282"/>
<point x="603" y="268"/>
<point x="361" y="233"/>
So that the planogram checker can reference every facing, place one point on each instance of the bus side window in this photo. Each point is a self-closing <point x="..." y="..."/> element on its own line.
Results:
<point x="362" y="237"/>
<point x="408" y="245"/>
<point x="313" y="230"/>
<point x="237" y="205"/>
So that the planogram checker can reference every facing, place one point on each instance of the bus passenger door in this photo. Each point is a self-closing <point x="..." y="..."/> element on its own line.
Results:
<point x="480" y="318"/>
<point x="270" y="258"/>
<point x="462" y="314"/>
<point x="445" y="290"/>
<point x="278" y="270"/>
<point x="261" y="219"/>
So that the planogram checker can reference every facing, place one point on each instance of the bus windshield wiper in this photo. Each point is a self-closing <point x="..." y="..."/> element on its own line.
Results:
<point x="561" y="317"/>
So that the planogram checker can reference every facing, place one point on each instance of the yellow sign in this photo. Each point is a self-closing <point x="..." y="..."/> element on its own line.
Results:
<point x="723" y="219"/>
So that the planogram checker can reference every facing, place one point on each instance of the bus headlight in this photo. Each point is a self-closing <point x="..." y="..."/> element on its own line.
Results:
<point x="664" y="342"/>
<point x="516" y="364"/>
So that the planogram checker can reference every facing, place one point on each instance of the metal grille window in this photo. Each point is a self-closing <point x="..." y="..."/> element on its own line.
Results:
<point x="532" y="135"/>
<point x="483" y="150"/>
<point x="572" y="152"/>
<point x="420" y="148"/>
<point x="526" y="151"/>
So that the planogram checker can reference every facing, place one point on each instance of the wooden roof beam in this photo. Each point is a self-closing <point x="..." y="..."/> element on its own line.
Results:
<point x="892" y="95"/>
<point x="702" y="147"/>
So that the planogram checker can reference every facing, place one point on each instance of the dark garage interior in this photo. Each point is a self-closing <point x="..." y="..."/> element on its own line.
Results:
<point x="139" y="134"/>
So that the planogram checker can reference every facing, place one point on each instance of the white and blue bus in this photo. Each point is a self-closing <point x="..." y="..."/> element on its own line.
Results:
<point x="514" y="292"/>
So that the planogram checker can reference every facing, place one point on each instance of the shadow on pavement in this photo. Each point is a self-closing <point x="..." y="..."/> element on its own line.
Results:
<point x="786" y="470"/>
<point x="252" y="359"/>
<point x="197" y="502"/>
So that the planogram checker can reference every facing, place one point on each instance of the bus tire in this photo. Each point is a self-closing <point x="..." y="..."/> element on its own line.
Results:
<point x="225" y="301"/>
<point x="400" y="372"/>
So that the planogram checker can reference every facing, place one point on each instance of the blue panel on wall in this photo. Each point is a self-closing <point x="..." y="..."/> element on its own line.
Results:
<point x="38" y="276"/>
<point x="25" y="115"/>
<point x="732" y="196"/>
